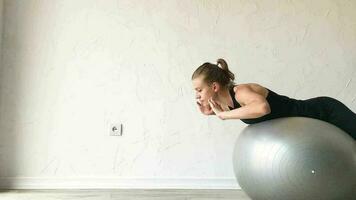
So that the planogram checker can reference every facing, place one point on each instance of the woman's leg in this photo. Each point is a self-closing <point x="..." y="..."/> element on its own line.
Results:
<point x="342" y="116"/>
<point x="332" y="111"/>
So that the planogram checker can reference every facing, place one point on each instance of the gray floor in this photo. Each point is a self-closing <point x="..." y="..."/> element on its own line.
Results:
<point x="123" y="194"/>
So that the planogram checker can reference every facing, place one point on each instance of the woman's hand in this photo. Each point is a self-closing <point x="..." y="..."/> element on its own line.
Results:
<point x="206" y="110"/>
<point x="217" y="108"/>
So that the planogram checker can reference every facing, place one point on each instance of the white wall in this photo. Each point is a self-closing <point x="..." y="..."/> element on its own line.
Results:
<point x="1" y="28"/>
<point x="71" y="68"/>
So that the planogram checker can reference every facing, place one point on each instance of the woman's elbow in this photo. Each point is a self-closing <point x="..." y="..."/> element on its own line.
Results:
<point x="265" y="108"/>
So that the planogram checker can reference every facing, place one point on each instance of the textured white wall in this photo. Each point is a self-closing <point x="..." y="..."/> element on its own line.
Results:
<point x="70" y="68"/>
<point x="1" y="27"/>
<point x="1" y="30"/>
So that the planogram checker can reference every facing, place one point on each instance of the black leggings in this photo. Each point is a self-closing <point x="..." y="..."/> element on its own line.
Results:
<point x="330" y="110"/>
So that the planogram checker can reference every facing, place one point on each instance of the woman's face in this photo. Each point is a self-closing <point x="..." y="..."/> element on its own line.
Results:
<point x="203" y="91"/>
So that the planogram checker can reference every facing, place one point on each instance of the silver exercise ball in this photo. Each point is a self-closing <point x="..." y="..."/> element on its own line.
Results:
<point x="295" y="158"/>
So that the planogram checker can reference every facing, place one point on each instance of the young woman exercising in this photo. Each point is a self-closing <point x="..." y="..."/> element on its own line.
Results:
<point x="216" y="93"/>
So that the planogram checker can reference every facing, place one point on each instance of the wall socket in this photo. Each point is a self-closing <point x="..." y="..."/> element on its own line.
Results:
<point x="115" y="129"/>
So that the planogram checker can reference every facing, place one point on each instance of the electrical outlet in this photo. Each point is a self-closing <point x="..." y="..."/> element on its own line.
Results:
<point x="116" y="129"/>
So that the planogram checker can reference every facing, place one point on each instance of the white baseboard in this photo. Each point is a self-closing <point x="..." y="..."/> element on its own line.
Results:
<point x="116" y="183"/>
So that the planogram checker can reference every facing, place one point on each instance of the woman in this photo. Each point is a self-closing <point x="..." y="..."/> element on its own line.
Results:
<point x="216" y="93"/>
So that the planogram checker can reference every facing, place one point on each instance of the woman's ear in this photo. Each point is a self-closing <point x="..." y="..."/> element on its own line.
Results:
<point x="215" y="86"/>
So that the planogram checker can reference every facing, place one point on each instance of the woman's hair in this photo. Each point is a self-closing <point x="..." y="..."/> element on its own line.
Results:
<point x="213" y="73"/>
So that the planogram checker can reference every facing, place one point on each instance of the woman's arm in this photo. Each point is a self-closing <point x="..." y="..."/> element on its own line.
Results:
<point x="252" y="110"/>
<point x="255" y="105"/>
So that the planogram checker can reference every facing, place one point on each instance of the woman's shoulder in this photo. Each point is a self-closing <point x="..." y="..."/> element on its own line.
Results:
<point x="255" y="87"/>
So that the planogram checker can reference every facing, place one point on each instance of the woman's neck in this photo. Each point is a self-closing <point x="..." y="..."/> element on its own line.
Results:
<point x="224" y="98"/>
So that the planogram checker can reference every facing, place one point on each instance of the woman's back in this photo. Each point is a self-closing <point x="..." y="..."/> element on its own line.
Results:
<point x="280" y="105"/>
<point x="322" y="107"/>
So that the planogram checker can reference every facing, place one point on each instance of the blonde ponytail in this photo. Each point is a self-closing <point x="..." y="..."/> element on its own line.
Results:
<point x="215" y="73"/>
<point x="225" y="67"/>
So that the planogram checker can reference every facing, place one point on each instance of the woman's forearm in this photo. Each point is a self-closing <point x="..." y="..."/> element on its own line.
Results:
<point x="246" y="112"/>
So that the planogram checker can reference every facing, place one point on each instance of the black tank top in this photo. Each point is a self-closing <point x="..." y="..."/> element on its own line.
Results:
<point x="280" y="105"/>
